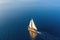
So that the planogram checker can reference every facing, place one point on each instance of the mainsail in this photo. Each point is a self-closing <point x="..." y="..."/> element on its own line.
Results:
<point x="32" y="29"/>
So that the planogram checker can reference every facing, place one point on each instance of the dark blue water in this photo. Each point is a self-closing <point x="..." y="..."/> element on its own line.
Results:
<point x="15" y="22"/>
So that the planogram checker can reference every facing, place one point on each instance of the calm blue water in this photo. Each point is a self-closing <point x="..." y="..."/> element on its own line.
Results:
<point x="15" y="22"/>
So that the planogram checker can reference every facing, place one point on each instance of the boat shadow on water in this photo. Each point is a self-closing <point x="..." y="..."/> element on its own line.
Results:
<point x="46" y="36"/>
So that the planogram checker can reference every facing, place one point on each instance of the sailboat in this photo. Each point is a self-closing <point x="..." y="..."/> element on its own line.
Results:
<point x="32" y="29"/>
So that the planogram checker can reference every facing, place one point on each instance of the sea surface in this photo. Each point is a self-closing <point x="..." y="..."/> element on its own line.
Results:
<point x="15" y="18"/>
<point x="14" y="24"/>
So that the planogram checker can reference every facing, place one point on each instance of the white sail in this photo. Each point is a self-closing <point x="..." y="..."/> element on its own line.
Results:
<point x="32" y="25"/>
